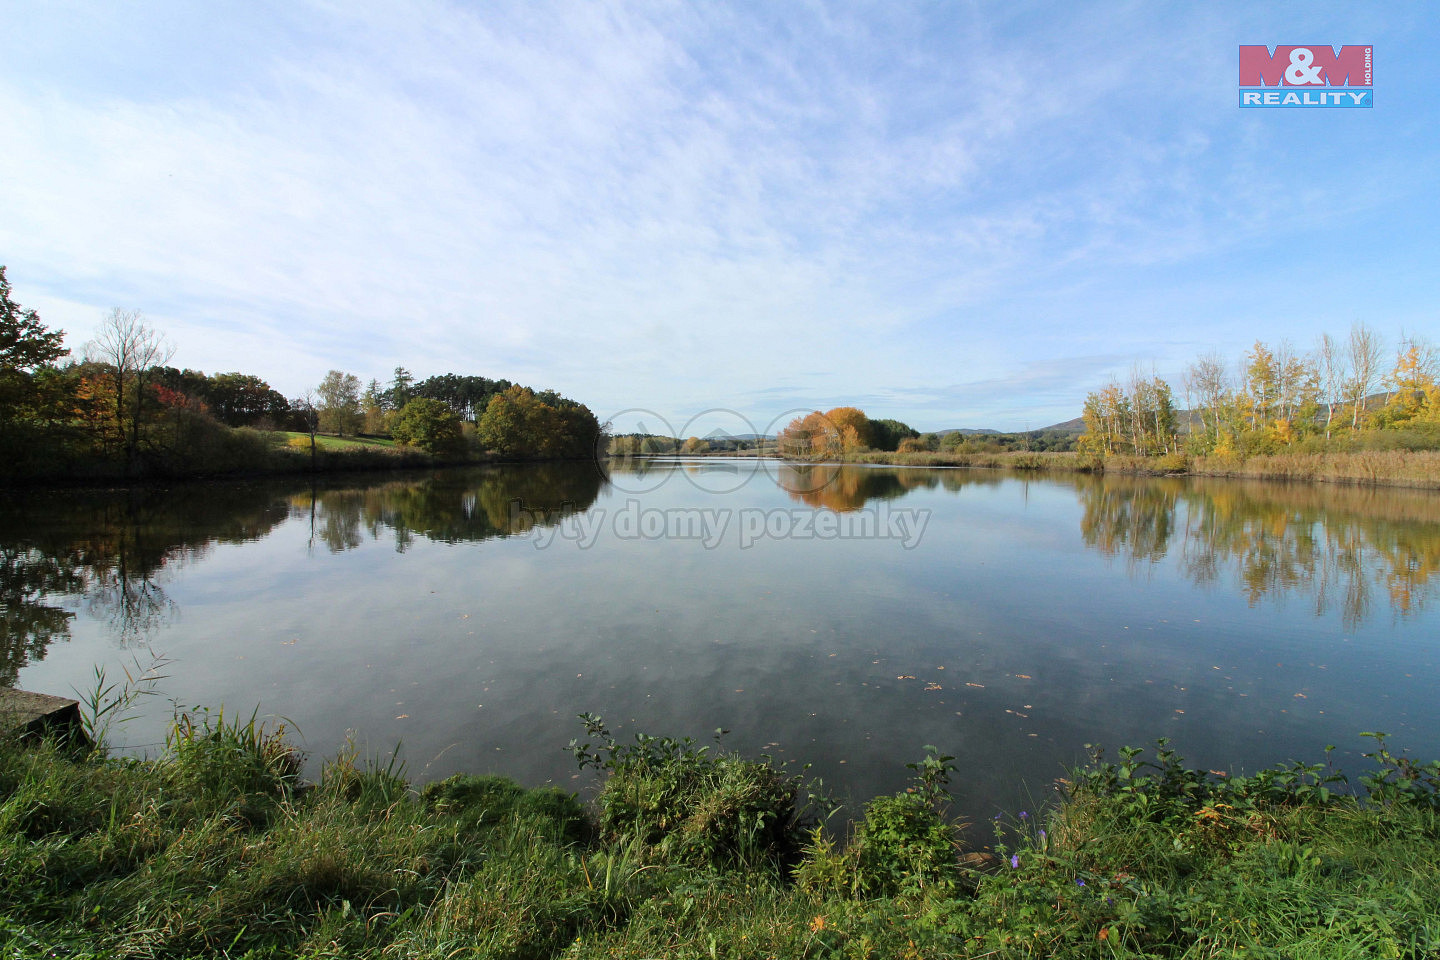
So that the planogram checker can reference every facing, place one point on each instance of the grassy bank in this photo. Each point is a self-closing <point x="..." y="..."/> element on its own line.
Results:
<point x="205" y="450"/>
<point x="1393" y="467"/>
<point x="216" y="849"/>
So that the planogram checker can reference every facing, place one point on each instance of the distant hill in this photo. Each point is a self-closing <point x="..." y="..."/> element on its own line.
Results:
<point x="966" y="430"/>
<point x="1076" y="426"/>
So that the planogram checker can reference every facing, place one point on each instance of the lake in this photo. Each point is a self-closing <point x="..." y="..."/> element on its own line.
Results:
<point x="841" y="616"/>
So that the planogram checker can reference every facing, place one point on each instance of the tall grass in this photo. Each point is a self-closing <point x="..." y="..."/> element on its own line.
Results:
<point x="1008" y="460"/>
<point x="1401" y="467"/>
<point x="215" y="849"/>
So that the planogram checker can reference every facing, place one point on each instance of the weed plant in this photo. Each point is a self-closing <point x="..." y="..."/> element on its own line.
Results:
<point x="217" y="849"/>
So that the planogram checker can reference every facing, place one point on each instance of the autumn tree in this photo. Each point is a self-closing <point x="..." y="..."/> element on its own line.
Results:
<point x="339" y="404"/>
<point x="1412" y="383"/>
<point x="835" y="432"/>
<point x="1106" y="412"/>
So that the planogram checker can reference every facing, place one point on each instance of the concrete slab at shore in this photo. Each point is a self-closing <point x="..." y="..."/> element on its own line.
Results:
<point x="36" y="714"/>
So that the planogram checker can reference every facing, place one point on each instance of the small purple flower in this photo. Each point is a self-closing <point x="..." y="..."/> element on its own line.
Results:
<point x="1024" y="815"/>
<point x="1015" y="861"/>
<point x="1042" y="833"/>
<point x="1079" y="882"/>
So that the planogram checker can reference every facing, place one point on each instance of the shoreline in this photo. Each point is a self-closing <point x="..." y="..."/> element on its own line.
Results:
<point x="1415" y="469"/>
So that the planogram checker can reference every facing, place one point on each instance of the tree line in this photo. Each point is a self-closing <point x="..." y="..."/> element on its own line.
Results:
<point x="1273" y="398"/>
<point x="120" y="405"/>
<point x="844" y="431"/>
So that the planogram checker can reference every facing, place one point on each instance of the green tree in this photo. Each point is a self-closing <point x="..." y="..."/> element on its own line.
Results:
<point x="428" y="424"/>
<point x="25" y="347"/>
<point x="887" y="434"/>
<point x="24" y="342"/>
<point x="522" y="423"/>
<point x="242" y="399"/>
<point x="402" y="389"/>
<point x="340" y="403"/>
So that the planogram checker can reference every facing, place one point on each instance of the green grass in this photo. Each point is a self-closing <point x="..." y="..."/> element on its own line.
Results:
<point x="216" y="848"/>
<point x="328" y="442"/>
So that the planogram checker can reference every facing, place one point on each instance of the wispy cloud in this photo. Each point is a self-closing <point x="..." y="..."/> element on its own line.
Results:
<point x="937" y="210"/>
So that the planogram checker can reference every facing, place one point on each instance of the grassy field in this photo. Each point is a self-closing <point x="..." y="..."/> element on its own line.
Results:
<point x="215" y="849"/>
<point x="328" y="442"/>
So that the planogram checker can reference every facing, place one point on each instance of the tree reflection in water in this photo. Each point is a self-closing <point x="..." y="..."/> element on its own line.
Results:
<point x="111" y="552"/>
<point x="844" y="488"/>
<point x="1348" y="547"/>
<point x="448" y="506"/>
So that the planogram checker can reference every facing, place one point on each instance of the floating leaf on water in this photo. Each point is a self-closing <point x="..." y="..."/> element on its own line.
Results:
<point x="1023" y="676"/>
<point x="980" y="685"/>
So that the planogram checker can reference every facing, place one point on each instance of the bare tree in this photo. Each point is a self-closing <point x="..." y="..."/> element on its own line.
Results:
<point x="131" y="348"/>
<point x="1329" y="359"/>
<point x="1207" y="380"/>
<point x="309" y="412"/>
<point x="1362" y="356"/>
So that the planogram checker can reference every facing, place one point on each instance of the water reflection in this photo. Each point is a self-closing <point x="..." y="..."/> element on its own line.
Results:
<point x="448" y="506"/>
<point x="844" y="488"/>
<point x="1352" y="548"/>
<point x="1361" y="551"/>
<point x="111" y="553"/>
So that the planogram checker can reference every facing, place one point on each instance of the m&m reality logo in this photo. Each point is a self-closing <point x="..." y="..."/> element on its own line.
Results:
<point x="1314" y="75"/>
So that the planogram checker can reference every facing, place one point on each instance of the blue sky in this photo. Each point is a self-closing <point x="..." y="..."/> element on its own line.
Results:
<point x="956" y="214"/>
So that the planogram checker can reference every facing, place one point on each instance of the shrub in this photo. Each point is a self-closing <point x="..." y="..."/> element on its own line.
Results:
<point x="905" y="845"/>
<point x="681" y="803"/>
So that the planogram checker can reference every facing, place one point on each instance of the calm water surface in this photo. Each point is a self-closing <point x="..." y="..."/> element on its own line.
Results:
<point x="844" y="616"/>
